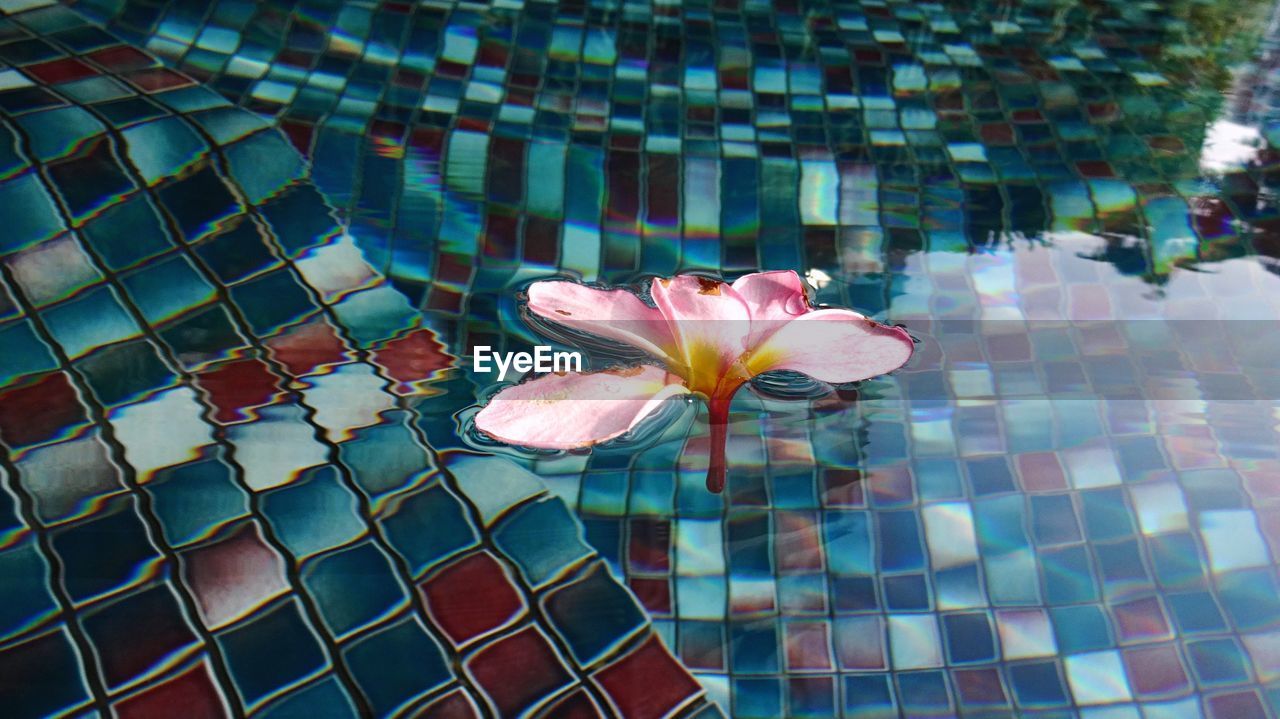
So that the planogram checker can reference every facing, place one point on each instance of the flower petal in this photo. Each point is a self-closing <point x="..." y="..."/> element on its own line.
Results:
<point x="616" y="314"/>
<point x="773" y="295"/>
<point x="834" y="346"/>
<point x="774" y="299"/>
<point x="710" y="322"/>
<point x="575" y="409"/>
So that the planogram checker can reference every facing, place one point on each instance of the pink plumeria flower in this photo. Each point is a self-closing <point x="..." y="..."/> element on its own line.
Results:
<point x="710" y="337"/>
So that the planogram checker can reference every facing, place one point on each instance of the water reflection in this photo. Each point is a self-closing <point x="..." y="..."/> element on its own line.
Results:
<point x="1067" y="506"/>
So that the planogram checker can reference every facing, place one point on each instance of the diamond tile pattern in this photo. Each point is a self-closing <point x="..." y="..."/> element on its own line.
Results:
<point x="198" y="365"/>
<point x="1066" y="506"/>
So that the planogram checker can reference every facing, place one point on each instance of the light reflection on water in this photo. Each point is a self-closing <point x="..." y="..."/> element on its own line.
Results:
<point x="1064" y="505"/>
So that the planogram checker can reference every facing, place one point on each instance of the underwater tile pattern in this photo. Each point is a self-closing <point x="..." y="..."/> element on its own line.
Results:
<point x="472" y="146"/>
<point x="1051" y="512"/>
<point x="216" y="501"/>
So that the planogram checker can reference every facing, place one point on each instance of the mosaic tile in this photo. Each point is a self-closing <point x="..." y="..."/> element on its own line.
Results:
<point x="1078" y="495"/>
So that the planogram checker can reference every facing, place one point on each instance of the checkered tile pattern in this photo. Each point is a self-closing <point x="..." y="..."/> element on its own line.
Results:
<point x="1051" y="512"/>
<point x="216" y="498"/>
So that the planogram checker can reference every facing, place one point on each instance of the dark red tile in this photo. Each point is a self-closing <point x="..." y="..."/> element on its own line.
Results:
<point x="1241" y="705"/>
<point x="649" y="549"/>
<point x="304" y="348"/>
<point x="443" y="299"/>
<point x="1141" y="619"/>
<point x="1103" y="111"/>
<point x="1167" y="143"/>
<point x="156" y="79"/>
<point x="39" y="410"/>
<point x="808" y="646"/>
<point x="577" y="705"/>
<point x="410" y="359"/>
<point x="63" y="70"/>
<point x="842" y="488"/>
<point x="541" y="241"/>
<point x="122" y="58"/>
<point x="1041" y="472"/>
<point x="191" y="695"/>
<point x="517" y="671"/>
<point x="1095" y="168"/>
<point x="998" y="133"/>
<point x="455" y="705"/>
<point x="470" y="597"/>
<point x="980" y="687"/>
<point x="891" y="486"/>
<point x="702" y="648"/>
<point x="654" y="593"/>
<point x="648" y="683"/>
<point x="1009" y="348"/>
<point x="235" y="386"/>
<point x="1156" y="670"/>
<point x="137" y="633"/>
<point x="797" y="541"/>
<point x="300" y="135"/>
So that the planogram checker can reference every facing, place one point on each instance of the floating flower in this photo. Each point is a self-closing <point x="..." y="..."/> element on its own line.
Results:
<point x="710" y="337"/>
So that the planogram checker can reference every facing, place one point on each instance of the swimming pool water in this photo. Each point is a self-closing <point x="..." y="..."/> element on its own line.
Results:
<point x="249" y="248"/>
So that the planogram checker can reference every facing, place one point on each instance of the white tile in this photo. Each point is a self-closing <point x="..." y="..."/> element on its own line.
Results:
<point x="1025" y="633"/>
<point x="1233" y="540"/>
<point x="914" y="642"/>
<point x="1160" y="507"/>
<point x="948" y="528"/>
<point x="699" y="547"/>
<point x="348" y="398"/>
<point x="161" y="431"/>
<point x="1097" y="678"/>
<point x="276" y="447"/>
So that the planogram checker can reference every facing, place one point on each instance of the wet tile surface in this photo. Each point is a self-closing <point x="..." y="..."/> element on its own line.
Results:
<point x="223" y="412"/>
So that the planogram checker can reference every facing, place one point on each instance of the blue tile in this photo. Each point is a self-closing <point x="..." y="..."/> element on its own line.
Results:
<point x="325" y="697"/>
<point x="47" y="668"/>
<point x="542" y="539"/>
<point x="192" y="500"/>
<point x="1053" y="520"/>
<point x="924" y="692"/>
<point x="1106" y="516"/>
<point x="753" y="647"/>
<point x="1081" y="628"/>
<point x="968" y="638"/>
<point x="899" y="541"/>
<point x="319" y="492"/>
<point x="869" y="696"/>
<point x="1175" y="557"/>
<point x="1251" y="598"/>
<point x="749" y="539"/>
<point x="1037" y="685"/>
<point x="106" y="552"/>
<point x="31" y="213"/>
<point x="417" y="665"/>
<point x="270" y="652"/>
<point x="757" y="698"/>
<point x="592" y="614"/>
<point x="1068" y="575"/>
<point x="906" y="592"/>
<point x="1196" y="612"/>
<point x="28" y="600"/>
<point x="1217" y="662"/>
<point x="427" y="527"/>
<point x="329" y="578"/>
<point x="127" y="233"/>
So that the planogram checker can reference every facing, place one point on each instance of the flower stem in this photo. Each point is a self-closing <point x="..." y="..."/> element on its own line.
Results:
<point x="719" y="418"/>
